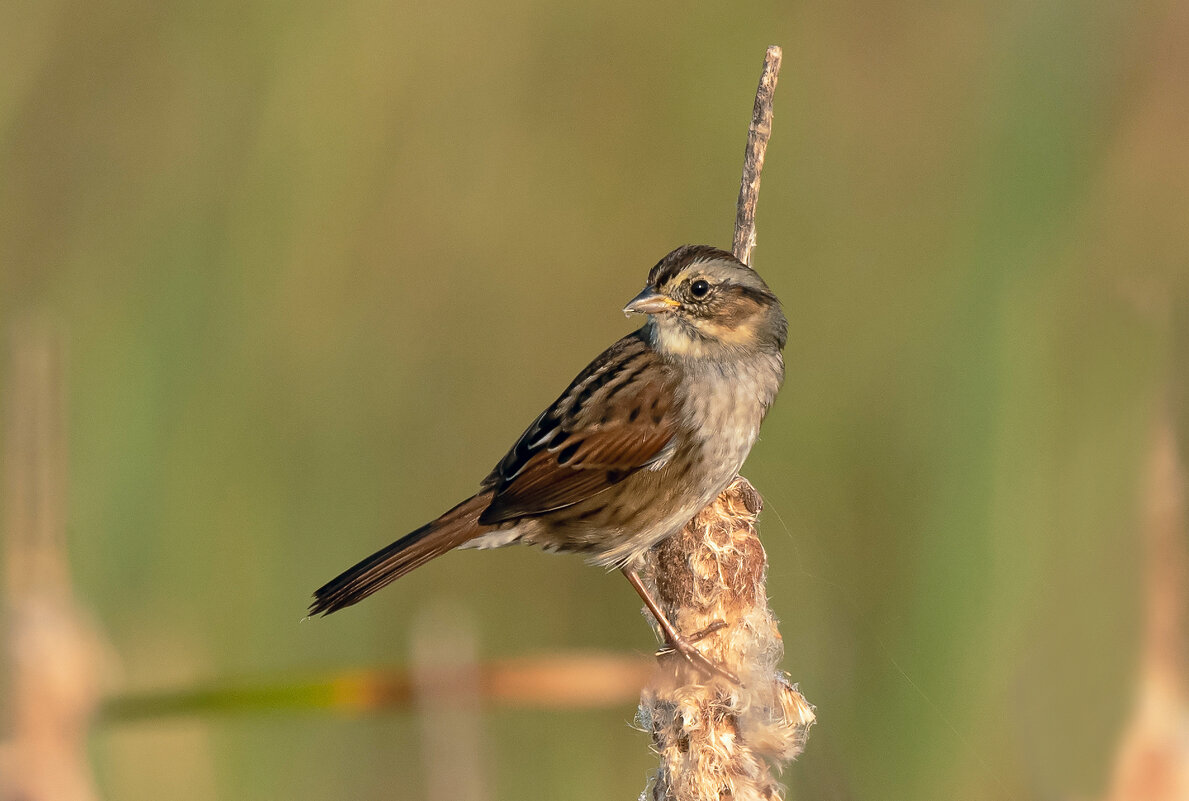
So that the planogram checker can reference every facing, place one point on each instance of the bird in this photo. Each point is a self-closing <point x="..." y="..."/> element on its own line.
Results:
<point x="647" y="435"/>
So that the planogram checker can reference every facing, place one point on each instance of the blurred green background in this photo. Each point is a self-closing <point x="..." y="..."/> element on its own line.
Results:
<point x="319" y="263"/>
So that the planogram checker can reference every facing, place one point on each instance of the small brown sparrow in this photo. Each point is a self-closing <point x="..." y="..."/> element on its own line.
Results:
<point x="645" y="437"/>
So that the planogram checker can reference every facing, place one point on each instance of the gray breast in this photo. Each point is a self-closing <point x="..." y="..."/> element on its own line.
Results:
<point x="724" y="403"/>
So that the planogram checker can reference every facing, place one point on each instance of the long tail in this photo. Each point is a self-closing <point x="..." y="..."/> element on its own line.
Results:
<point x="411" y="551"/>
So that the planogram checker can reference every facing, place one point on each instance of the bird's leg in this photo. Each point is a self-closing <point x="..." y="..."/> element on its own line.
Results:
<point x="673" y="640"/>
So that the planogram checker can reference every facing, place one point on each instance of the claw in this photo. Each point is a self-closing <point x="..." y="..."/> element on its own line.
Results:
<point x="697" y="660"/>
<point x="698" y="636"/>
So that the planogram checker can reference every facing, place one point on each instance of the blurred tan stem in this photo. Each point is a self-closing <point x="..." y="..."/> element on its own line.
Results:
<point x="52" y="651"/>
<point x="447" y="694"/>
<point x="1153" y="756"/>
<point x="564" y="680"/>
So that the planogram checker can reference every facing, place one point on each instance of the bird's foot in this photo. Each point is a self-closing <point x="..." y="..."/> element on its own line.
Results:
<point x="702" y="634"/>
<point x="696" y="658"/>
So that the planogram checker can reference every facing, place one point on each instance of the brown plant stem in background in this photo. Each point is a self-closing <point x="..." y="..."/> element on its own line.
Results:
<point x="448" y="696"/>
<point x="52" y="654"/>
<point x="718" y="739"/>
<point x="557" y="681"/>
<point x="1152" y="763"/>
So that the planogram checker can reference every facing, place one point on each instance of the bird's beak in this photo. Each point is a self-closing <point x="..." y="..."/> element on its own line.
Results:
<point x="650" y="302"/>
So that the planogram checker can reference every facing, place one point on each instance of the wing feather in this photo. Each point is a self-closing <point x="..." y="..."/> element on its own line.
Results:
<point x="616" y="417"/>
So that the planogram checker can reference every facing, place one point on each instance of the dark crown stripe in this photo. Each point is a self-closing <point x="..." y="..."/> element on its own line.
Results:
<point x="683" y="257"/>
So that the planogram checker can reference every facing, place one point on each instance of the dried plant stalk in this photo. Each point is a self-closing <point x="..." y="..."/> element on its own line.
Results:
<point x="753" y="158"/>
<point x="717" y="739"/>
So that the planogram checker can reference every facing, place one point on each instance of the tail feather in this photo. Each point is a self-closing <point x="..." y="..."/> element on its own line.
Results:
<point x="411" y="551"/>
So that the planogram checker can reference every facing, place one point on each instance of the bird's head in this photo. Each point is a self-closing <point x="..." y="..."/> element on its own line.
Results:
<point x="702" y="301"/>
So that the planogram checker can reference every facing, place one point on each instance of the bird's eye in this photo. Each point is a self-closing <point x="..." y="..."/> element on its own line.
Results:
<point x="699" y="288"/>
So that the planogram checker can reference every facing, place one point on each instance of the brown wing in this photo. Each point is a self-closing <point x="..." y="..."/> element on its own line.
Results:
<point x="616" y="417"/>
